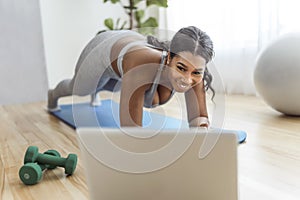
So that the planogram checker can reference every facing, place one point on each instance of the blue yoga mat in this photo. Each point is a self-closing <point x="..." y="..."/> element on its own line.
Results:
<point x="107" y="115"/>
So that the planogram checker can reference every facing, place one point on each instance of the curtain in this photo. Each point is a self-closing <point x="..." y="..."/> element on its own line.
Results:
<point x="240" y="29"/>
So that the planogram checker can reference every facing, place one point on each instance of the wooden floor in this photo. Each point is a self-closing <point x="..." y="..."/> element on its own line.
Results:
<point x="269" y="162"/>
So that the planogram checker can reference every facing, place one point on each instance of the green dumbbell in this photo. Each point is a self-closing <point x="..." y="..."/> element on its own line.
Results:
<point x="53" y="153"/>
<point x="31" y="173"/>
<point x="32" y="155"/>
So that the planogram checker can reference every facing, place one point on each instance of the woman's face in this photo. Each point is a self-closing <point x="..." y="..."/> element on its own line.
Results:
<point x="186" y="70"/>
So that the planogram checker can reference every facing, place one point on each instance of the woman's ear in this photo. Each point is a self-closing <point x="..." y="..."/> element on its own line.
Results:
<point x="168" y="58"/>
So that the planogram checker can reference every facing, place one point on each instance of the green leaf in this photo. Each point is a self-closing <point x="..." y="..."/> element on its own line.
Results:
<point x="115" y="1"/>
<point x="139" y="15"/>
<point x="160" y="3"/>
<point x="112" y="1"/>
<point x="150" y="22"/>
<point x="109" y="23"/>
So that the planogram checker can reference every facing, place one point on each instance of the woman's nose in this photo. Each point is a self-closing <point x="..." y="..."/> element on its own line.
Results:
<point x="188" y="79"/>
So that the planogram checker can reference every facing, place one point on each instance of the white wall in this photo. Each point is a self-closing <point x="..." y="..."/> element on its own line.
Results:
<point x="68" y="25"/>
<point x="22" y="62"/>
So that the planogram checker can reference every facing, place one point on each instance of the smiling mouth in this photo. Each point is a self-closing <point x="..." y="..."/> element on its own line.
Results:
<point x="182" y="84"/>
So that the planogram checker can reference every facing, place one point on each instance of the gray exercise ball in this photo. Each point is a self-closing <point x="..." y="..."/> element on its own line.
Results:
<point x="277" y="74"/>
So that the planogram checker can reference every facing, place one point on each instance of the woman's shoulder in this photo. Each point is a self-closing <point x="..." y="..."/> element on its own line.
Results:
<point x="144" y="54"/>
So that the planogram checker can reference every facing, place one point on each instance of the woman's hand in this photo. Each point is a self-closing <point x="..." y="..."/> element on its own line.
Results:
<point x="199" y="122"/>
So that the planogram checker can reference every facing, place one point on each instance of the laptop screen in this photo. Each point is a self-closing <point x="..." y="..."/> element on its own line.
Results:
<point x="137" y="163"/>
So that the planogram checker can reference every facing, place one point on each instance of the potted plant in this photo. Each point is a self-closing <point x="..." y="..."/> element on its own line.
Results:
<point x="135" y="13"/>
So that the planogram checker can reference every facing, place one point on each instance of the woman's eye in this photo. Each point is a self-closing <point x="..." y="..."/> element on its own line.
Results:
<point x="181" y="68"/>
<point x="197" y="73"/>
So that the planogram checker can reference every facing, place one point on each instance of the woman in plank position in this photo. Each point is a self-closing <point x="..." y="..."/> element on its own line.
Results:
<point x="150" y="72"/>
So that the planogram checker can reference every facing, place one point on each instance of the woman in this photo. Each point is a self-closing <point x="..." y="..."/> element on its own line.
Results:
<point x="150" y="72"/>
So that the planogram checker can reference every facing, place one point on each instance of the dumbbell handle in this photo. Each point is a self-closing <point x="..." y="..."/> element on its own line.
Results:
<point x="51" y="160"/>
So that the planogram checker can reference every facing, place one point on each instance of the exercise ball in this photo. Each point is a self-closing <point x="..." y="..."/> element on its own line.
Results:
<point x="277" y="74"/>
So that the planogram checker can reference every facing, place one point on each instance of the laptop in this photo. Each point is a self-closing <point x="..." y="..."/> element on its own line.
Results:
<point x="138" y="163"/>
